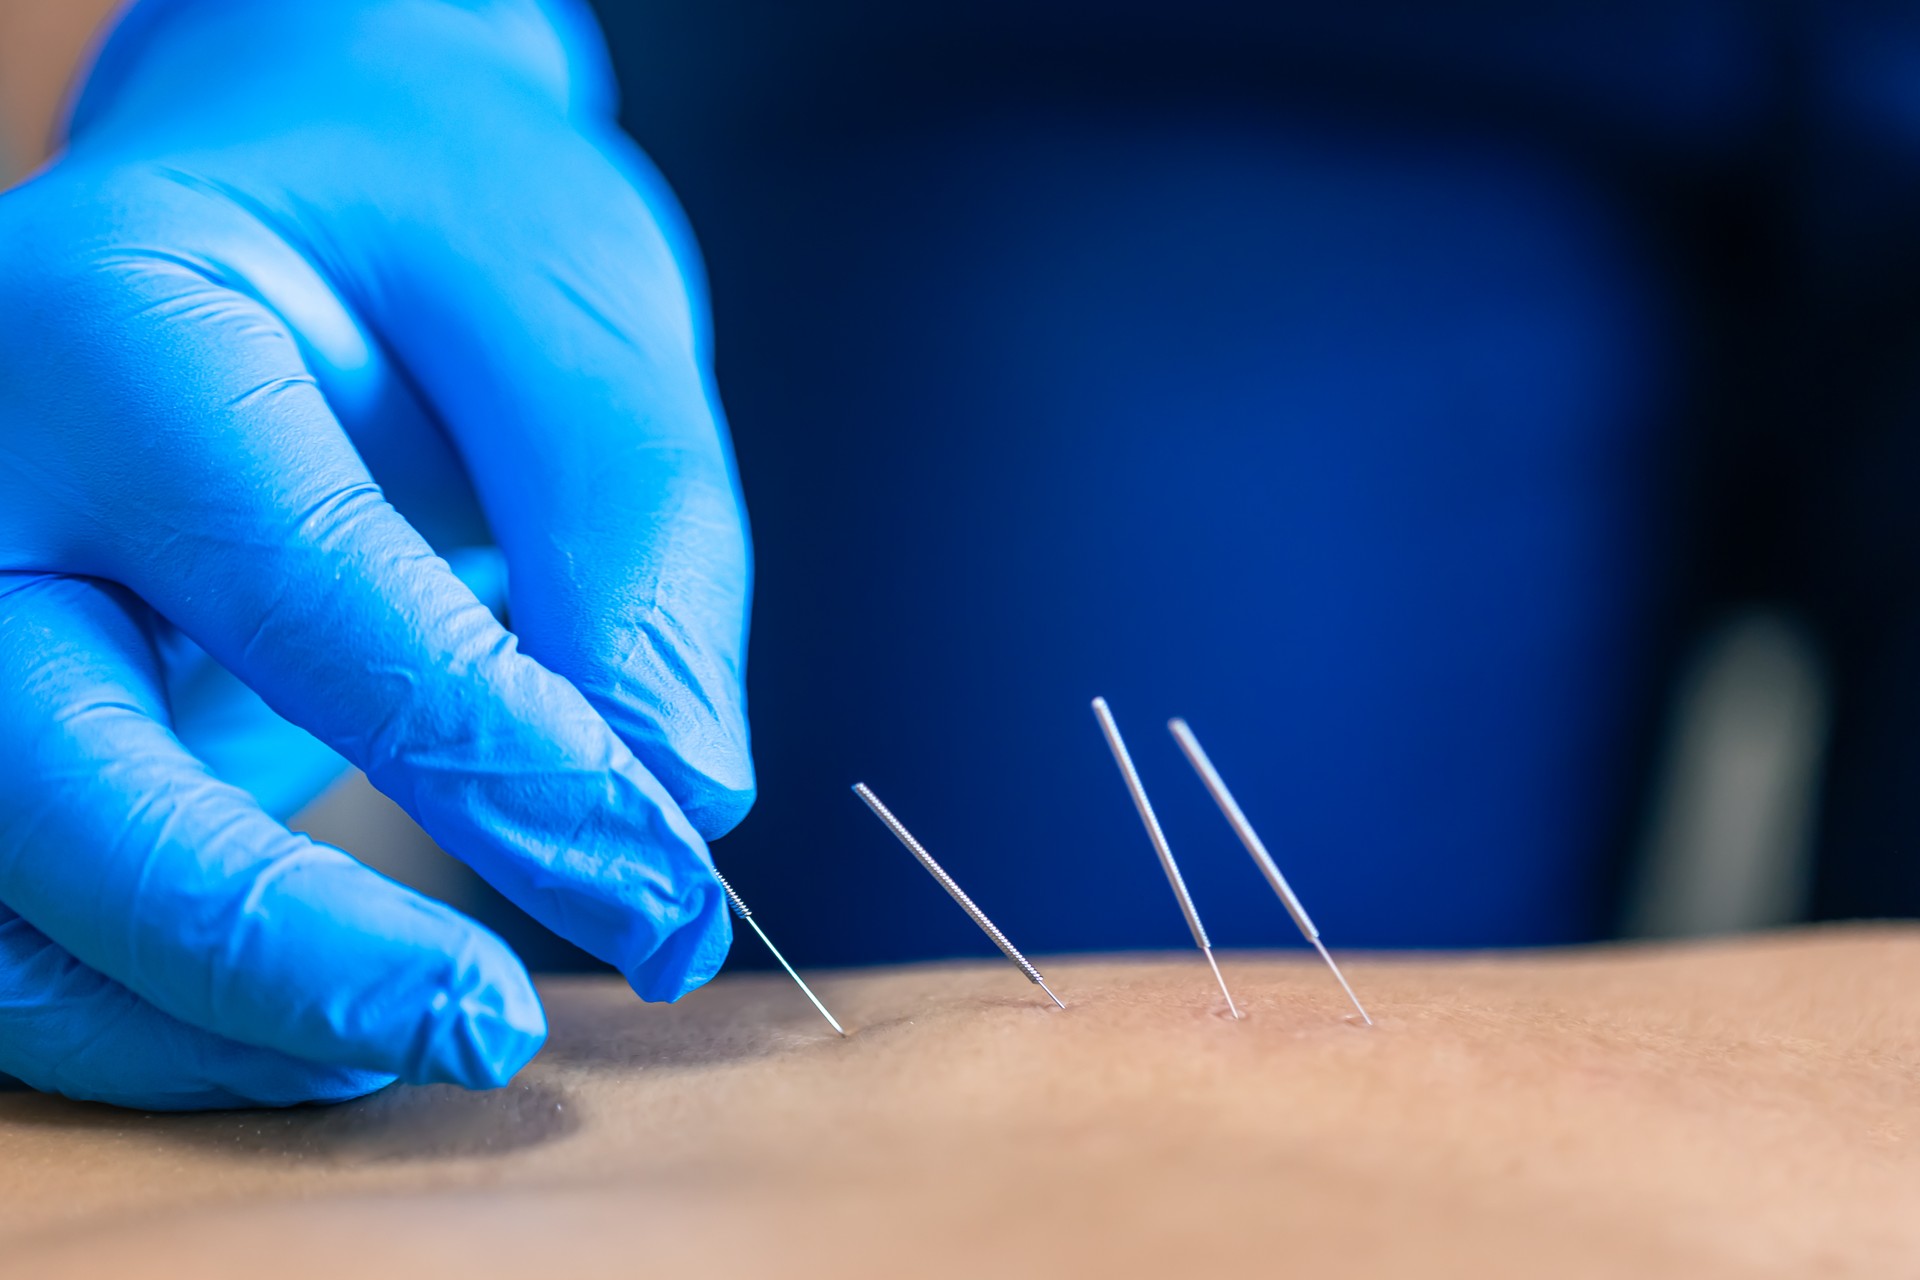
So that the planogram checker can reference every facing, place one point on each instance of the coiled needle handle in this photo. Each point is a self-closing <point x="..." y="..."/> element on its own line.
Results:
<point x="954" y="891"/>
<point x="740" y="909"/>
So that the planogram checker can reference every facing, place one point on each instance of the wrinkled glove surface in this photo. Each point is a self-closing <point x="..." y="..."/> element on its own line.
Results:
<point x="321" y="293"/>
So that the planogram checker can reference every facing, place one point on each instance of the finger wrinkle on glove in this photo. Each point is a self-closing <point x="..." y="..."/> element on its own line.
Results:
<point x="664" y="645"/>
<point x="659" y="694"/>
<point x="25" y="946"/>
<point x="474" y="1035"/>
<point x="326" y="526"/>
<point x="466" y="733"/>
<point x="79" y="717"/>
<point x="624" y="333"/>
<point x="101" y="1043"/>
<point x="334" y="521"/>
<point x="615" y="849"/>
<point x="465" y="1027"/>
<point x="248" y="400"/>
<point x="661" y="656"/>
<point x="626" y="879"/>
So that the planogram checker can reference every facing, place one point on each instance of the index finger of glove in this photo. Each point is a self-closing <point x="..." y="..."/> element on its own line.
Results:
<point x="565" y="350"/>
<point x="199" y="465"/>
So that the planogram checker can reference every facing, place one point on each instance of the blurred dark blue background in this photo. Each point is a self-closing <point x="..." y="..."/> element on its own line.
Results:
<point x="1390" y="389"/>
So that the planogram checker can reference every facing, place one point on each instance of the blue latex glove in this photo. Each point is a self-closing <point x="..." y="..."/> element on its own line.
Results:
<point x="318" y="287"/>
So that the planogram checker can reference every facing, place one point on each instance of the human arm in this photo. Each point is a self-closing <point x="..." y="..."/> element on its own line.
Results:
<point x="1739" y="1108"/>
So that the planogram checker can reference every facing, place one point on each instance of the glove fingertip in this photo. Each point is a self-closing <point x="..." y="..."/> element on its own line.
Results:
<point x="341" y="1084"/>
<point x="714" y="810"/>
<point x="482" y="1039"/>
<point x="685" y="962"/>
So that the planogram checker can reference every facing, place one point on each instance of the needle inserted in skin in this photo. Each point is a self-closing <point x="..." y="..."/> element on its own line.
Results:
<point x="1118" y="746"/>
<point x="1248" y="837"/>
<point x="954" y="891"/>
<point x="740" y="909"/>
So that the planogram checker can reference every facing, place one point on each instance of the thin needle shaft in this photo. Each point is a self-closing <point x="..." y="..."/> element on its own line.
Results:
<point x="740" y="909"/>
<point x="1230" y="808"/>
<point x="1118" y="746"/>
<point x="954" y="891"/>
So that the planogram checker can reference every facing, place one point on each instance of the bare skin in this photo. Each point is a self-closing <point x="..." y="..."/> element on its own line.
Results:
<point x="1738" y="1109"/>
<point x="1746" y="1109"/>
<point x="42" y="42"/>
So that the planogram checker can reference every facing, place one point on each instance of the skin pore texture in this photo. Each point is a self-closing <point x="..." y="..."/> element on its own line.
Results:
<point x="1745" y="1108"/>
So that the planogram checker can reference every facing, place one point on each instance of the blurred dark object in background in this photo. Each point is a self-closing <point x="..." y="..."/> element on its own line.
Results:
<point x="1397" y="391"/>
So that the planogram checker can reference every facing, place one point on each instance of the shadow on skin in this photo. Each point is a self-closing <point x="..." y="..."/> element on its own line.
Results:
<point x="596" y="1025"/>
<point x="399" y="1123"/>
<point x="601" y="1026"/>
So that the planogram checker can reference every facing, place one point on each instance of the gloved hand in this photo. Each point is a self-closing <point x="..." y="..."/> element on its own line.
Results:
<point x="320" y="286"/>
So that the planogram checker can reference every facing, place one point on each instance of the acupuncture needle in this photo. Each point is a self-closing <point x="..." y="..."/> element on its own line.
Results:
<point x="954" y="891"/>
<point x="740" y="909"/>
<point x="1118" y="746"/>
<point x="1197" y="757"/>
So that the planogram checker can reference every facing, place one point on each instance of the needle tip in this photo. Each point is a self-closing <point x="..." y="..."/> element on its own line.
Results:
<point x="1049" y="990"/>
<point x="1215" y="966"/>
<point x="1341" y="978"/>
